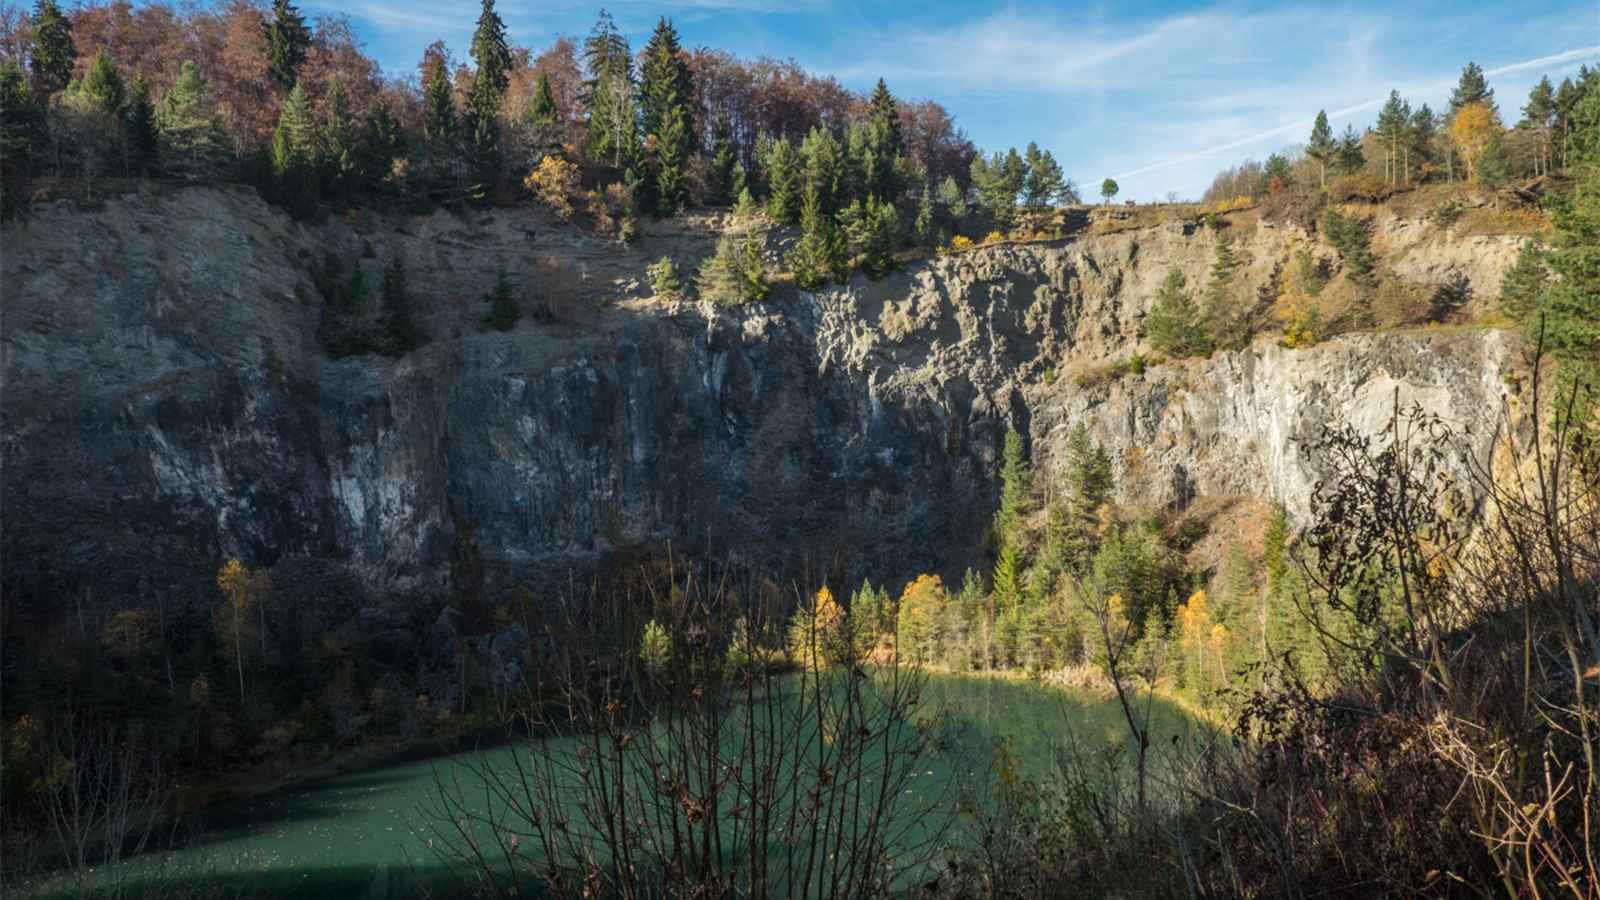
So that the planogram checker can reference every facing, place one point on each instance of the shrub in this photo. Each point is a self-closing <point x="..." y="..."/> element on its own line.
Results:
<point x="1361" y="187"/>
<point x="959" y="244"/>
<point x="1304" y="326"/>
<point x="503" y="310"/>
<point x="1445" y="214"/>
<point x="993" y="237"/>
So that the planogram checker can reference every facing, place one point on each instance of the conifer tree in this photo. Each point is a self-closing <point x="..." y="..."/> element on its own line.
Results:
<point x="1044" y="181"/>
<point x="953" y="199"/>
<point x="883" y="236"/>
<point x="21" y="120"/>
<point x="1350" y="157"/>
<point x="438" y="117"/>
<point x="103" y="85"/>
<point x="294" y="154"/>
<point x="493" y="58"/>
<point x="783" y="182"/>
<point x="404" y="336"/>
<point x="1470" y="89"/>
<point x="1173" y="325"/>
<point x="1539" y="117"/>
<point x="503" y="309"/>
<point x="1224" y="317"/>
<point x="609" y="95"/>
<point x="925" y="226"/>
<point x="53" y="54"/>
<point x="139" y="118"/>
<point x="336" y="141"/>
<point x="885" y="145"/>
<point x="1420" y="137"/>
<point x="720" y="277"/>
<point x="1524" y="282"/>
<point x="381" y="144"/>
<point x="724" y="157"/>
<point x="809" y="260"/>
<point x="822" y="158"/>
<point x="288" y="39"/>
<point x="188" y="132"/>
<point x="1016" y="488"/>
<point x="1393" y="121"/>
<point x="752" y="268"/>
<point x="1321" y="146"/>
<point x="665" y="93"/>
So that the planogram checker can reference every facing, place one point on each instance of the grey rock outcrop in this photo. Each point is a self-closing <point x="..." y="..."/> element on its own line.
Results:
<point x="167" y="404"/>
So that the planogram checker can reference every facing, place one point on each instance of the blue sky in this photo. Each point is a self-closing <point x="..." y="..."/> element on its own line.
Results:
<point x="1159" y="95"/>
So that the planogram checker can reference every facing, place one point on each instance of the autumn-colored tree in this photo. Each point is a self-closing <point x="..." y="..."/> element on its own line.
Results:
<point x="920" y="620"/>
<point x="1472" y="129"/>
<point x="819" y="635"/>
<point x="244" y="594"/>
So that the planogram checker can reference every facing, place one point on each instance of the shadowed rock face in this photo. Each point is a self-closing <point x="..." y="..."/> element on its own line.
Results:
<point x="167" y="405"/>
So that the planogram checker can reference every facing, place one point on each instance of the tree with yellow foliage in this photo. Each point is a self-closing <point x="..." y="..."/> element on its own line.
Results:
<point x="1202" y="641"/>
<point x="921" y="618"/>
<point x="243" y="590"/>
<point x="818" y="636"/>
<point x="554" y="183"/>
<point x="1472" y="130"/>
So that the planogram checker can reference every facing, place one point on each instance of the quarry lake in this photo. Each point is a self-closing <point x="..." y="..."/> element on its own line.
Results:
<point x="367" y="833"/>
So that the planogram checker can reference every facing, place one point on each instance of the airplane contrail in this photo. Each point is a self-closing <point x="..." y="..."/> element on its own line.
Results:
<point x="1302" y="124"/>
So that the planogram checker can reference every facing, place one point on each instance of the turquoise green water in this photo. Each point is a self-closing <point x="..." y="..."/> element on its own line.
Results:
<point x="363" y="834"/>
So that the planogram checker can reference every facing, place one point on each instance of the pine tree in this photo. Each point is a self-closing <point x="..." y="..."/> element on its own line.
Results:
<point x="1321" y="146"/>
<point x="1276" y="174"/>
<point x="1472" y="88"/>
<point x="139" y="120"/>
<point x="1173" y="325"/>
<point x="1350" y="157"/>
<point x="189" y="133"/>
<point x="1567" y="319"/>
<point x="783" y="182"/>
<point x="294" y="140"/>
<point x="21" y="120"/>
<point x="1393" y="121"/>
<point x="1420" y="138"/>
<point x="1044" y="181"/>
<point x="102" y="84"/>
<point x="288" y="39"/>
<point x="822" y="159"/>
<point x="53" y="54"/>
<point x="885" y="145"/>
<point x="1539" y="117"/>
<point x="503" y="309"/>
<point x="1494" y="162"/>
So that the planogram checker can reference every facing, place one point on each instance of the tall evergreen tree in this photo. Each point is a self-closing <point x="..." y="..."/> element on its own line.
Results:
<point x="1420" y="134"/>
<point x="381" y="144"/>
<point x="822" y="158"/>
<point x="1224" y="315"/>
<point x="53" y="54"/>
<point x="724" y="157"/>
<point x="1393" y="121"/>
<point x="139" y="120"/>
<point x="883" y="111"/>
<point x="1173" y="325"/>
<point x="294" y="154"/>
<point x="783" y="182"/>
<point x="609" y="95"/>
<point x="886" y="144"/>
<point x="1539" y="118"/>
<point x="1044" y="181"/>
<point x="189" y="132"/>
<point x="541" y="121"/>
<point x="1350" y="157"/>
<point x="439" y="128"/>
<point x="1321" y="146"/>
<point x="503" y="309"/>
<point x="288" y="39"/>
<point x="1524" y="282"/>
<point x="493" y="58"/>
<point x="1016" y="488"/>
<point x="103" y="85"/>
<point x="21" y="120"/>
<point x="953" y="199"/>
<point x="404" y="336"/>
<point x="1472" y="88"/>
<point x="665" y="94"/>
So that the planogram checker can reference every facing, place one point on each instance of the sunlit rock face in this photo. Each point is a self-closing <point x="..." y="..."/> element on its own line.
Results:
<point x="167" y="403"/>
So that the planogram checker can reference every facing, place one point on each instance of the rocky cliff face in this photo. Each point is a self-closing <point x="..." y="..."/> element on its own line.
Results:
<point x="167" y="403"/>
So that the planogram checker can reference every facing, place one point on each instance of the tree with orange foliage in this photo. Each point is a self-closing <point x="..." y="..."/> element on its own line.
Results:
<point x="818" y="637"/>
<point x="921" y="618"/>
<point x="554" y="183"/>
<point x="1471" y="131"/>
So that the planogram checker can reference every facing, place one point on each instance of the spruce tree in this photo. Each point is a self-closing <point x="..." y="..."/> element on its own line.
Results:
<point x="288" y="39"/>
<point x="1225" y="321"/>
<point x="294" y="154"/>
<point x="102" y="84"/>
<point x="823" y="161"/>
<point x="489" y="83"/>
<point x="1420" y="138"/>
<point x="1173" y="325"/>
<point x="1044" y="180"/>
<point x="1350" y="157"/>
<point x="53" y="54"/>
<point x="724" y="157"/>
<point x="953" y="199"/>
<point x="541" y="121"/>
<point x="1393" y="121"/>
<point x="720" y="278"/>
<point x="1539" y="117"/>
<point x="609" y="95"/>
<point x="438" y="117"/>
<point x="809" y="258"/>
<point x="139" y="120"/>
<point x="336" y="141"/>
<point x="1471" y="88"/>
<point x="753" y="283"/>
<point x="381" y="144"/>
<point x="189" y="133"/>
<point x="883" y="237"/>
<point x="1016" y="488"/>
<point x="1321" y="146"/>
<point x="886" y="144"/>
<point x="783" y="182"/>
<point x="665" y="93"/>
